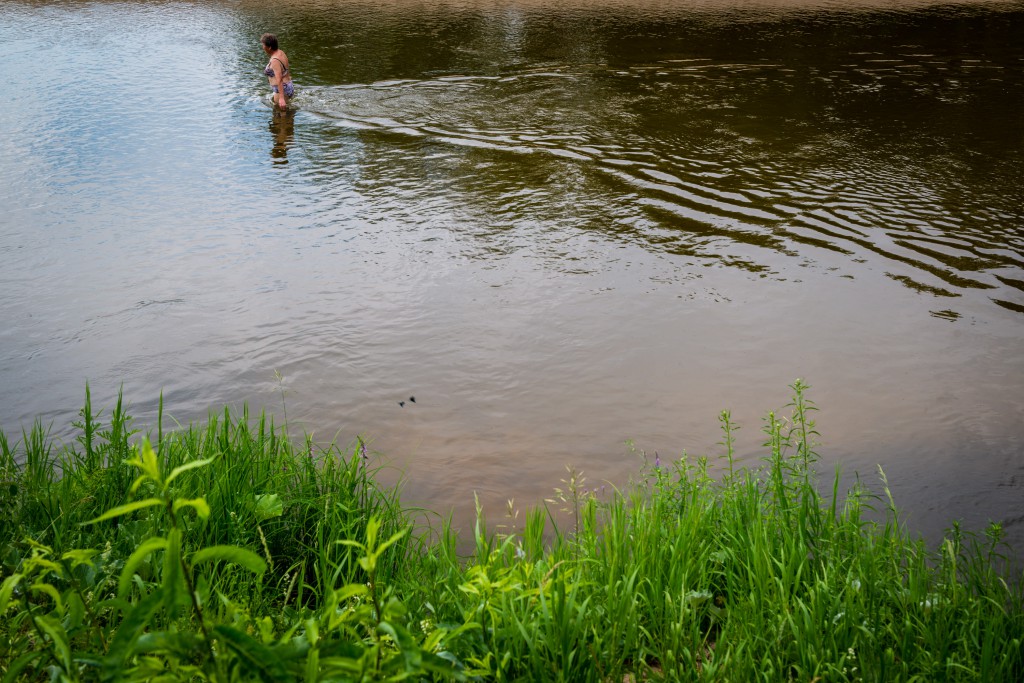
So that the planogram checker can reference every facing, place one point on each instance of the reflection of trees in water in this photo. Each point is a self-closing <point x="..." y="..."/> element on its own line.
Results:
<point x="871" y="134"/>
<point x="352" y="42"/>
<point x="282" y="126"/>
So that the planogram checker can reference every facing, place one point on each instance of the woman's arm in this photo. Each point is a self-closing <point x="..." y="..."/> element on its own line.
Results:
<point x="282" y="101"/>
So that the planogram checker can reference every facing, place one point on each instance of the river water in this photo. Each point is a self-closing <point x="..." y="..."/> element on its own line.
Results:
<point x="561" y="227"/>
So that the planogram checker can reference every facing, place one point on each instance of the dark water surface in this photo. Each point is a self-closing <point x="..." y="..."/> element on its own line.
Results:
<point x="560" y="226"/>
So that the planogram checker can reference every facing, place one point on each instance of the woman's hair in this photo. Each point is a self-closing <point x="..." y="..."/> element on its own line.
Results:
<point x="270" y="40"/>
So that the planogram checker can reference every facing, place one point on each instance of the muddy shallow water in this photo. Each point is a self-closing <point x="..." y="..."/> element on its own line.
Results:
<point x="560" y="228"/>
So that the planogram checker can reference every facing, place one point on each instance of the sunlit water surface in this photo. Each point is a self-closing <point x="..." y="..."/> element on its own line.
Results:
<point x="560" y="226"/>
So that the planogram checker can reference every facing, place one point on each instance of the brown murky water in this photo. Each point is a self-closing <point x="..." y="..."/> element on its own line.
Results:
<point x="560" y="226"/>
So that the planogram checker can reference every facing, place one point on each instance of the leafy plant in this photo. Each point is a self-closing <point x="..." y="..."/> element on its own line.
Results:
<point x="226" y="552"/>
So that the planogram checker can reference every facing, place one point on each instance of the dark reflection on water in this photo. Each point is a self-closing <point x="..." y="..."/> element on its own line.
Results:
<point x="559" y="227"/>
<point x="870" y="133"/>
<point x="282" y="127"/>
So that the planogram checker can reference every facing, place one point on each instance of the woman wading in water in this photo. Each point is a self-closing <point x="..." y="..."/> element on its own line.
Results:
<point x="277" y="71"/>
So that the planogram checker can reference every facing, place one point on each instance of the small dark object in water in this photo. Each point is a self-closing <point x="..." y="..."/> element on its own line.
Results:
<point x="412" y="399"/>
<point x="401" y="404"/>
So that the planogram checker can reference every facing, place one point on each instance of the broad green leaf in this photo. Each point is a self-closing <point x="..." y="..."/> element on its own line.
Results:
<point x="180" y="469"/>
<point x="233" y="554"/>
<point x="59" y="636"/>
<point x="148" y="669"/>
<point x="124" y="510"/>
<point x="255" y="656"/>
<point x="137" y="557"/>
<point x="391" y="541"/>
<point x="340" y="649"/>
<point x="351" y="544"/>
<point x="37" y="561"/>
<point x="312" y="665"/>
<point x="6" y="588"/>
<point x="79" y="557"/>
<point x="198" y="504"/>
<point x="350" y="590"/>
<point x="372" y="526"/>
<point x="75" y="611"/>
<point x="51" y="591"/>
<point x="122" y="645"/>
<point x="292" y="648"/>
<point x="175" y="591"/>
<point x="45" y="549"/>
<point x="150" y="465"/>
<point x="268" y="505"/>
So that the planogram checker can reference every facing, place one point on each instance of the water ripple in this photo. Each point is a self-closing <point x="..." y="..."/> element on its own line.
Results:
<point x="634" y="202"/>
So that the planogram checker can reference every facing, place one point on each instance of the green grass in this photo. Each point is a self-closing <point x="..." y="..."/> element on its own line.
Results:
<point x="228" y="551"/>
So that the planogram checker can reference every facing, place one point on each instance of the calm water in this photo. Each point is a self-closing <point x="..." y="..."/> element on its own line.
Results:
<point x="560" y="226"/>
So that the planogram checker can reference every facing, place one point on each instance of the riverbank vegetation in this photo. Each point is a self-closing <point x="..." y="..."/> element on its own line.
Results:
<point x="228" y="551"/>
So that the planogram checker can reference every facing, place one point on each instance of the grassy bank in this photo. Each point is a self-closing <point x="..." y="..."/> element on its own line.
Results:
<point x="229" y="551"/>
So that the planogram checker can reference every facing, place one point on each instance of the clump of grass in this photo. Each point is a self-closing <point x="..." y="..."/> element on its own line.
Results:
<point x="221" y="551"/>
<point x="225" y="551"/>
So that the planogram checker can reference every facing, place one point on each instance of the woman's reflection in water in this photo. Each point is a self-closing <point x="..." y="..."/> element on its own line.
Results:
<point x="282" y="125"/>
